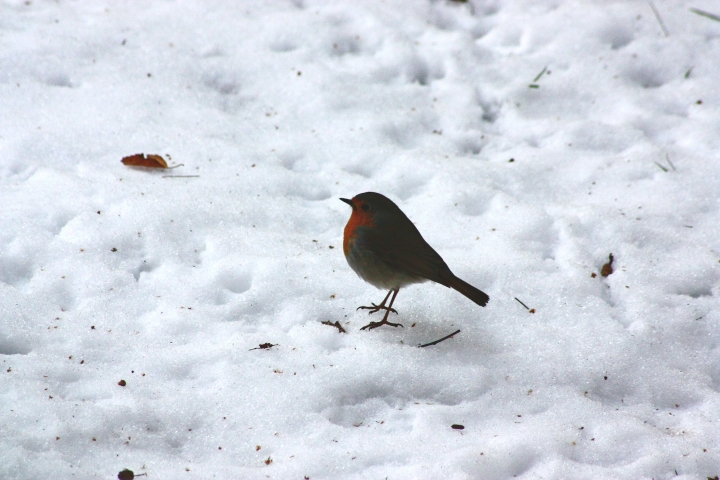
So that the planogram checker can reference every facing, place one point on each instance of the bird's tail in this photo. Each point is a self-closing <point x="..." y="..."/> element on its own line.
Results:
<point x="477" y="296"/>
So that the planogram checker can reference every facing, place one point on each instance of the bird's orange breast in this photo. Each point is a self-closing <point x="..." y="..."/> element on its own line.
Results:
<point x="356" y="220"/>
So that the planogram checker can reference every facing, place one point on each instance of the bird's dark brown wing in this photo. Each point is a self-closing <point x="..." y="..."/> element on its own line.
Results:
<point x="400" y="245"/>
<point x="412" y="254"/>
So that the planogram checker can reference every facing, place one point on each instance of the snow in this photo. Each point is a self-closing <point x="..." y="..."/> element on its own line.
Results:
<point x="171" y="280"/>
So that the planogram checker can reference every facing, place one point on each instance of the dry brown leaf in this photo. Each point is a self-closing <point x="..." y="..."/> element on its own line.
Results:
<point x="147" y="161"/>
<point x="607" y="268"/>
<point x="126" y="475"/>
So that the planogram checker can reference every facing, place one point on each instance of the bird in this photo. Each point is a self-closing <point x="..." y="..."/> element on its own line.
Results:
<point x="384" y="248"/>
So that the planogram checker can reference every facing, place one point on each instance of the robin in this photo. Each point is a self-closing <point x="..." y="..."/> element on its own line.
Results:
<point x="386" y="250"/>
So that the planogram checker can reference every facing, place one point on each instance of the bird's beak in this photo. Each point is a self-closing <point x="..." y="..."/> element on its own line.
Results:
<point x="349" y="202"/>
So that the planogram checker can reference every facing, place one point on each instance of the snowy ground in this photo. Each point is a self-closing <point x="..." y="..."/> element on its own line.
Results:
<point x="109" y="273"/>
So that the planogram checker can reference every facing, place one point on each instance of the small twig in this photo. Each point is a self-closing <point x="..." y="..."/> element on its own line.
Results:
<point x="540" y="74"/>
<point x="170" y="168"/>
<point x="181" y="176"/>
<point x="438" y="341"/>
<point x="336" y="325"/>
<point x="264" y="346"/>
<point x="522" y="303"/>
<point x="663" y="168"/>
<point x="667" y="157"/>
<point x="659" y="19"/>
<point x="709" y="15"/>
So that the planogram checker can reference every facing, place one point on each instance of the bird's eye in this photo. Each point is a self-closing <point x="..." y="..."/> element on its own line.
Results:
<point x="365" y="207"/>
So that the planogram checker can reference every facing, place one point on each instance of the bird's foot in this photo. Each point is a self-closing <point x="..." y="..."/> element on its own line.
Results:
<point x="377" y="308"/>
<point x="372" y="325"/>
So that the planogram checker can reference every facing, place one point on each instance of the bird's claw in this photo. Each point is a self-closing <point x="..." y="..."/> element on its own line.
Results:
<point x="377" y="308"/>
<point x="374" y="307"/>
<point x="373" y="325"/>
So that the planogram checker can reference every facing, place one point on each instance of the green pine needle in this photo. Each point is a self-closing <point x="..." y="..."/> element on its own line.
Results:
<point x="540" y="74"/>
<point x="709" y="15"/>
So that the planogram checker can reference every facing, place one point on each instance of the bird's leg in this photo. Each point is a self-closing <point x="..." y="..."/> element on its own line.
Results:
<point x="388" y="309"/>
<point x="382" y="306"/>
